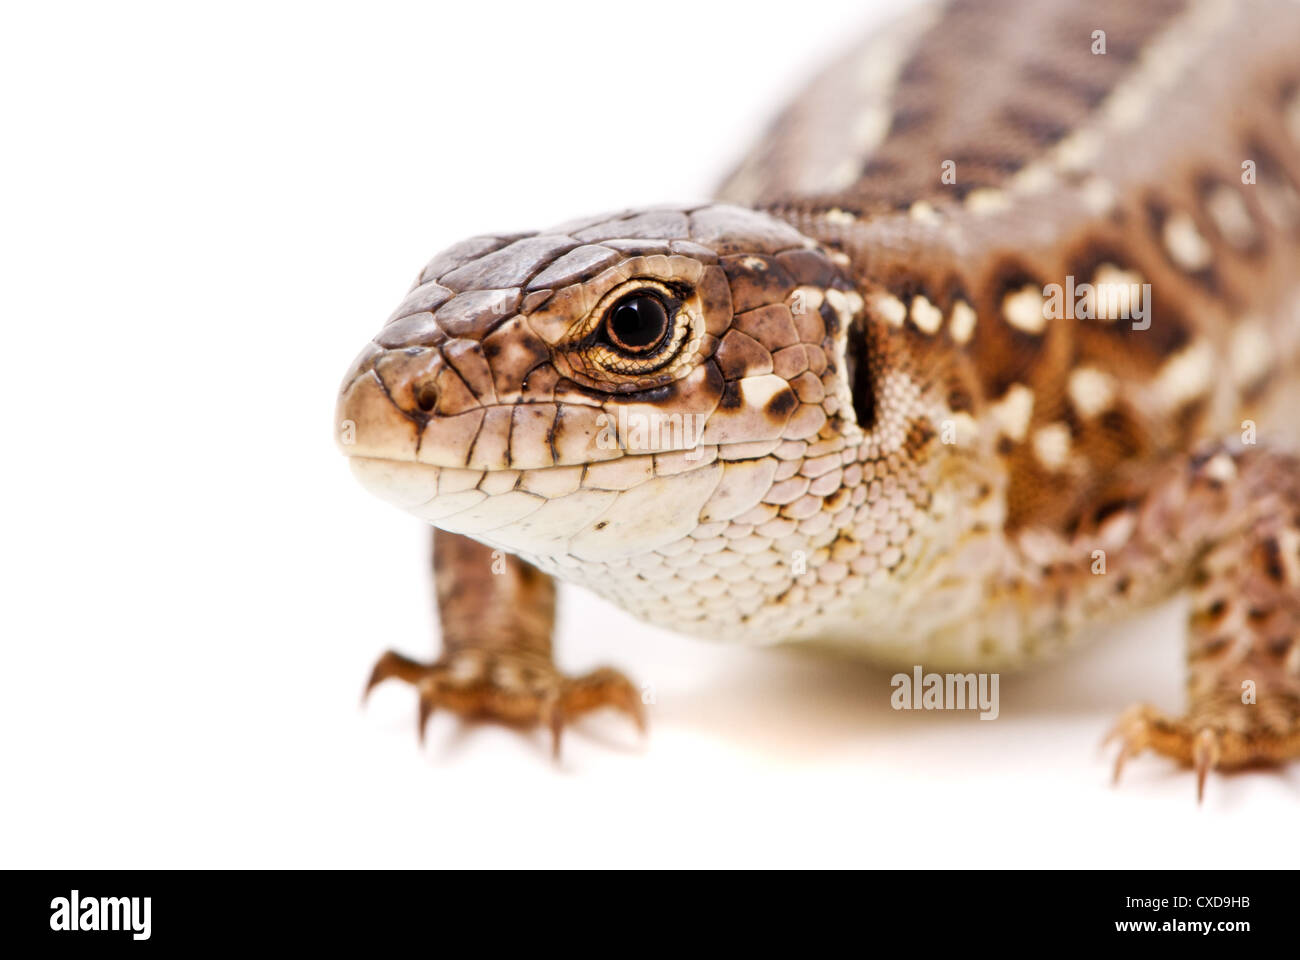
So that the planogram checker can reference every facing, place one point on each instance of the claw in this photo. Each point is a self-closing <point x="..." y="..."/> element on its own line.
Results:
<point x="1205" y="754"/>
<point x="1124" y="754"/>
<point x="632" y="706"/>
<point x="427" y="706"/>
<point x="425" y="712"/>
<point x="393" y="664"/>
<point x="1123" y="725"/>
<point x="553" y="716"/>
<point x="1142" y="728"/>
<point x="557" y="731"/>
<point x="606" y="688"/>
<point x="1123" y="731"/>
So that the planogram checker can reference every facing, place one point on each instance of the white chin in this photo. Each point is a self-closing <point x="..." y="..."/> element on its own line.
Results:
<point x="532" y="516"/>
<point x="400" y="482"/>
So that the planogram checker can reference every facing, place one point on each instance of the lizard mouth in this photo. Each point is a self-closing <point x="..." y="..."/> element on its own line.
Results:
<point x="448" y="496"/>
<point x="403" y="483"/>
<point x="549" y="511"/>
<point x="459" y="499"/>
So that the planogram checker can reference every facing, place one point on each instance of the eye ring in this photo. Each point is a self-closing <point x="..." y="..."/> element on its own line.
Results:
<point x="634" y="348"/>
<point x="637" y="323"/>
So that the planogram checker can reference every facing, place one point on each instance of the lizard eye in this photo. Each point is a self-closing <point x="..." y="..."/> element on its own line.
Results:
<point x="637" y="330"/>
<point x="637" y="323"/>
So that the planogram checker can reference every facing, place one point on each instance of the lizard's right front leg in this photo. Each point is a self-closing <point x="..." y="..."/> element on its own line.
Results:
<point x="497" y="614"/>
<point x="1238" y="511"/>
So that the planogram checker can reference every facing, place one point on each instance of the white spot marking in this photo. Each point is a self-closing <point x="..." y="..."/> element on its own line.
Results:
<point x="987" y="200"/>
<point x="1033" y="179"/>
<point x="1221" y="468"/>
<point x="1052" y="445"/>
<point x="1231" y="217"/>
<point x="922" y="212"/>
<point x="1115" y="292"/>
<point x="843" y="305"/>
<point x="1184" y="376"/>
<point x="1014" y="410"/>
<point x="927" y="317"/>
<point x="1023" y="309"/>
<point x="1078" y="150"/>
<point x="1092" y="391"/>
<point x="1099" y="196"/>
<point x="1251" y="353"/>
<point x="962" y="323"/>
<point x="1184" y="243"/>
<point x="890" y="308"/>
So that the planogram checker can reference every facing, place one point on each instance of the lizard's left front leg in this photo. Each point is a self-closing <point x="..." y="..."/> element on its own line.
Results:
<point x="497" y="614"/>
<point x="1242" y="511"/>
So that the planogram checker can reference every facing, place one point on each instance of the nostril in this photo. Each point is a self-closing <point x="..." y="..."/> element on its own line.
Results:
<point x="410" y="378"/>
<point x="426" y="396"/>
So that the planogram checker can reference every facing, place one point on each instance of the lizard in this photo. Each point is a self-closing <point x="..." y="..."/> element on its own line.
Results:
<point x="993" y="335"/>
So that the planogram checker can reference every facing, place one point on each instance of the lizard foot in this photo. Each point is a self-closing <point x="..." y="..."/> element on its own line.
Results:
<point x="510" y="687"/>
<point x="1233" y="741"/>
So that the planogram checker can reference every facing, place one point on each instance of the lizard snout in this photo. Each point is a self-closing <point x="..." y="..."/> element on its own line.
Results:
<point x="410" y="378"/>
<point x="387" y="398"/>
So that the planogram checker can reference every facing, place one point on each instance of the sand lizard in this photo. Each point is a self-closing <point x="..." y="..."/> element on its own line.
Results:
<point x="993" y="335"/>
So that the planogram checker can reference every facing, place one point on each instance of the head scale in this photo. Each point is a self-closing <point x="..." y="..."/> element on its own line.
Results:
<point x="605" y="388"/>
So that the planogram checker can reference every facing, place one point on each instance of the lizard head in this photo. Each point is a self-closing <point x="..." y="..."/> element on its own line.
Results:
<point x="607" y="387"/>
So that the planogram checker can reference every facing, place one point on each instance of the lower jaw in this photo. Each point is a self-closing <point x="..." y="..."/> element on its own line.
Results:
<point x="551" y="511"/>
<point x="400" y="482"/>
<point x="467" y="501"/>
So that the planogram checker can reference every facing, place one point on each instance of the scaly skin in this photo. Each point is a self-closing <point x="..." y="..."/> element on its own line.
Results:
<point x="902" y="449"/>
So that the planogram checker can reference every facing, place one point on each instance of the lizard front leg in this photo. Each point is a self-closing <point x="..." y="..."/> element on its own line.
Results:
<point x="498" y="614"/>
<point x="1244" y="645"/>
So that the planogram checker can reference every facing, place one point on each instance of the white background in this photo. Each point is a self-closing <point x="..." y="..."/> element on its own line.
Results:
<point x="205" y="215"/>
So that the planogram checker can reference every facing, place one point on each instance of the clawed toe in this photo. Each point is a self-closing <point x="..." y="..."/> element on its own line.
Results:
<point x="393" y="664"/>
<point x="600" y="688"/>
<point x="1145" y="728"/>
<point x="508" y="688"/>
<point x="1199" y="745"/>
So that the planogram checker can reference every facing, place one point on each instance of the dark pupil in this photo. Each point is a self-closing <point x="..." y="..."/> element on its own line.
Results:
<point x="638" y="321"/>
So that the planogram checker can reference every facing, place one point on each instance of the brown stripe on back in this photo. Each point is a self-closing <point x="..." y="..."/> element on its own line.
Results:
<point x="977" y="88"/>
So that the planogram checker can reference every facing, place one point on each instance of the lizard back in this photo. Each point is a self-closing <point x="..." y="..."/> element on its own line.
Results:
<point x="976" y="153"/>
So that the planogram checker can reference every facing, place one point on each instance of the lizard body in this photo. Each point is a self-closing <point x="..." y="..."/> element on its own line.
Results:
<point x="940" y="379"/>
